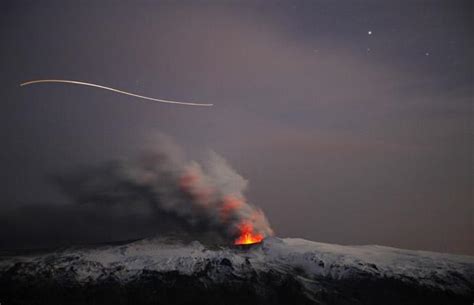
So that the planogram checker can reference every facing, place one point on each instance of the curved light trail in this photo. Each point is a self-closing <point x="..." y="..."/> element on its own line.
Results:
<point x="111" y="89"/>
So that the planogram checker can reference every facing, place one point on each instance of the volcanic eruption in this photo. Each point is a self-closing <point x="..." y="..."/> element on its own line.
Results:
<point x="247" y="235"/>
<point x="206" y="196"/>
<point x="244" y="222"/>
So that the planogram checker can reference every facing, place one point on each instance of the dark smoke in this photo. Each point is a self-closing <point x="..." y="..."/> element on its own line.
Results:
<point x="159" y="193"/>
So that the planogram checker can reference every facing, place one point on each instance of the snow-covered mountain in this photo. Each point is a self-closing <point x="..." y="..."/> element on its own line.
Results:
<point x="276" y="271"/>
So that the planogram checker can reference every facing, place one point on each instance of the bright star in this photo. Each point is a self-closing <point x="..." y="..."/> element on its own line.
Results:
<point x="369" y="32"/>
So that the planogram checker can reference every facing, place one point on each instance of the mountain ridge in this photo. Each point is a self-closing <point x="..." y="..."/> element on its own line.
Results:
<point x="276" y="271"/>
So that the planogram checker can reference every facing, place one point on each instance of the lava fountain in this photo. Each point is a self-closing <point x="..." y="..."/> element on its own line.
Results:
<point x="248" y="235"/>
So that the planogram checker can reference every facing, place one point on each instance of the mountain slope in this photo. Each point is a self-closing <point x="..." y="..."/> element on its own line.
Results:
<point x="277" y="271"/>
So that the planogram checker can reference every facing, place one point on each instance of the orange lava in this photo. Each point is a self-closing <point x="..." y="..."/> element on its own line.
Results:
<point x="247" y="235"/>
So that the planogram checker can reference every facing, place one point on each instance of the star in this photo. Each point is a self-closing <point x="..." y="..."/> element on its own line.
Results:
<point x="427" y="54"/>
<point x="369" y="32"/>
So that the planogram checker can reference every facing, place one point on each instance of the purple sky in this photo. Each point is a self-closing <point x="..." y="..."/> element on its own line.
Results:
<point x="345" y="137"/>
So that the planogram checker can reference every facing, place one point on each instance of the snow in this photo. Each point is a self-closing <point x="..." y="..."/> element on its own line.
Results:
<point x="436" y="270"/>
<point x="315" y="260"/>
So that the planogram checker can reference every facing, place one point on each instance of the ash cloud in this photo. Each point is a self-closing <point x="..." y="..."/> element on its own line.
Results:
<point x="158" y="193"/>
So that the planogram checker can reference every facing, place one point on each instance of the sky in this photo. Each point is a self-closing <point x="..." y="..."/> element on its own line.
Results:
<point x="351" y="120"/>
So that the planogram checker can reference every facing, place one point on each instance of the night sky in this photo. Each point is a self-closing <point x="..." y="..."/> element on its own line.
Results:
<point x="352" y="120"/>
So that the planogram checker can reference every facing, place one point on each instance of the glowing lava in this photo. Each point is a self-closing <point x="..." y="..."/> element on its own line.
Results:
<point x="247" y="235"/>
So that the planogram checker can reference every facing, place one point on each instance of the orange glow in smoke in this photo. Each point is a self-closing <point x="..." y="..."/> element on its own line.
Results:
<point x="190" y="182"/>
<point x="247" y="235"/>
<point x="229" y="206"/>
<point x="188" y="179"/>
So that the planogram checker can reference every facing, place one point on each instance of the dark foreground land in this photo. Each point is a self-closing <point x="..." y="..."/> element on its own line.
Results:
<point x="278" y="271"/>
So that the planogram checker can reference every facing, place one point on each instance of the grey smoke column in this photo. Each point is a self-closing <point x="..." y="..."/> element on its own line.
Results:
<point x="205" y="196"/>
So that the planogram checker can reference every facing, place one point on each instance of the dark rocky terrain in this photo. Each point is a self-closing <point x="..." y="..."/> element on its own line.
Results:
<point x="277" y="271"/>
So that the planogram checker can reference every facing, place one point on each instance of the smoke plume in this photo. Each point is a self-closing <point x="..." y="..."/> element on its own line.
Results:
<point x="205" y="196"/>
